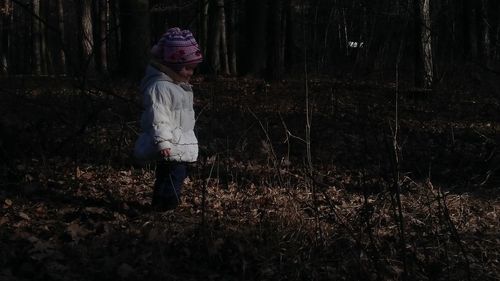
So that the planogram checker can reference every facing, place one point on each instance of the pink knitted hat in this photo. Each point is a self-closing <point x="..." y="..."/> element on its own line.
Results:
<point x="177" y="48"/>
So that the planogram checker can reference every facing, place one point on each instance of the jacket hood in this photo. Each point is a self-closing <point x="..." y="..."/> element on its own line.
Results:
<point x="152" y="75"/>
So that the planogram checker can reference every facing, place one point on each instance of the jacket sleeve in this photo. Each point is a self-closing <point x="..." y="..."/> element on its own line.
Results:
<point x="157" y="116"/>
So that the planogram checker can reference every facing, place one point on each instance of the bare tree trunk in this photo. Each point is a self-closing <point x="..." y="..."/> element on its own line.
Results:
<point x="427" y="43"/>
<point x="494" y="11"/>
<point x="424" y="71"/>
<point x="314" y="50"/>
<point x="3" y="50"/>
<point x="87" y="39"/>
<point x="285" y="21"/>
<point x="232" y="38"/>
<point x="103" y="36"/>
<point x="469" y="30"/>
<point x="203" y="31"/>
<point x="363" y="39"/>
<point x="22" y="55"/>
<point x="115" y="30"/>
<point x="257" y="19"/>
<point x="289" y="36"/>
<point x="276" y="39"/>
<point x="60" y="24"/>
<point x="323" y="57"/>
<point x="346" y="35"/>
<point x="47" y="64"/>
<point x="223" y="38"/>
<point x="5" y="25"/>
<point x="483" y="31"/>
<point x="37" y="57"/>
<point x="213" y="52"/>
<point x="135" y="40"/>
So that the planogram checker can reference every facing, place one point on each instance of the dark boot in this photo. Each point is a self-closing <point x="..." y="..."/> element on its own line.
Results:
<point x="165" y="204"/>
<point x="168" y="185"/>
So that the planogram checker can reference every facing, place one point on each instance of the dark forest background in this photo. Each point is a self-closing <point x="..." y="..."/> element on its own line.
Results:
<point x="431" y="40"/>
<point x="339" y="140"/>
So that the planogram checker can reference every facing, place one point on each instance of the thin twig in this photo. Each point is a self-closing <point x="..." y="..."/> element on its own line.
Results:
<point x="396" y="173"/>
<point x="271" y="148"/>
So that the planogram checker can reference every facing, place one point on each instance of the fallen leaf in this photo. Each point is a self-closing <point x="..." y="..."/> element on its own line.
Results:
<point x="7" y="203"/>
<point x="76" y="232"/>
<point x="95" y="210"/>
<point x="24" y="216"/>
<point x="4" y="220"/>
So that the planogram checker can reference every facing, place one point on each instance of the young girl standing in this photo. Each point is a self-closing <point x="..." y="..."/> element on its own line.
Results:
<point x="168" y="119"/>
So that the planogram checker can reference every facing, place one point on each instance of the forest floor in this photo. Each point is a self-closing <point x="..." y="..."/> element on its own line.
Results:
<point x="268" y="199"/>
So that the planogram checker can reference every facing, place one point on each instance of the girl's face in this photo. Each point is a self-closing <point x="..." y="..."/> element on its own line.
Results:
<point x="186" y="72"/>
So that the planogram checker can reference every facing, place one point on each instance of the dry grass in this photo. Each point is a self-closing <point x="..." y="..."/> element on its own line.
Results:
<point x="74" y="206"/>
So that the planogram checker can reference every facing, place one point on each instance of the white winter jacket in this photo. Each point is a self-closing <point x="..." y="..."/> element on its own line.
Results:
<point x="168" y="119"/>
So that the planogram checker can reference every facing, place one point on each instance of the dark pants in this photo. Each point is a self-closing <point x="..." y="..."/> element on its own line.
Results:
<point x="168" y="184"/>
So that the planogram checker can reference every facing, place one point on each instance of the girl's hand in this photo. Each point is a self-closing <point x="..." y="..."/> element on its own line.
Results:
<point x="165" y="152"/>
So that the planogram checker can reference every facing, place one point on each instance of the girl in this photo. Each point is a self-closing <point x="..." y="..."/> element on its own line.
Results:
<point x="168" y="119"/>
